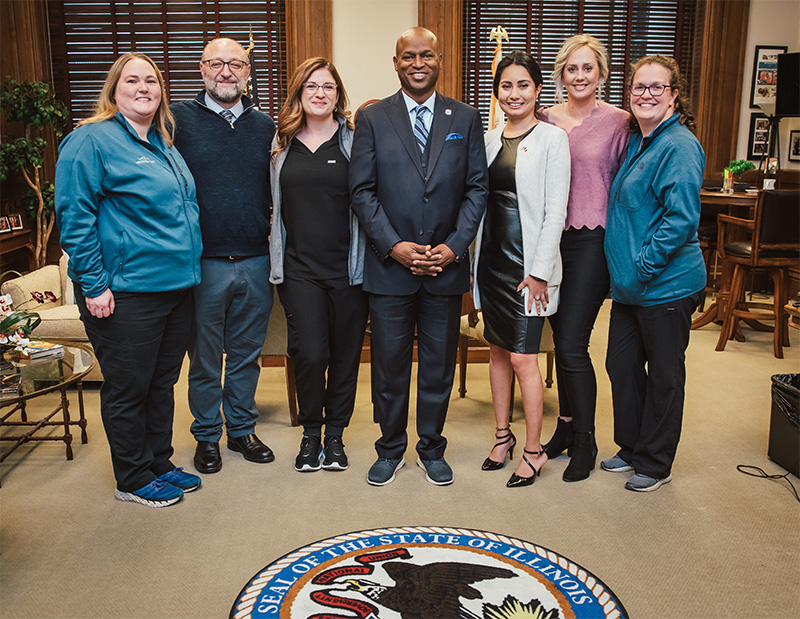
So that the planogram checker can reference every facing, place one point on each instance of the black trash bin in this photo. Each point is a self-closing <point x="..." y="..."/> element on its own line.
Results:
<point x="784" y="422"/>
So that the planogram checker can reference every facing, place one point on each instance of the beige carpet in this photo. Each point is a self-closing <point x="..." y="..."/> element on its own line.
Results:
<point x="713" y="543"/>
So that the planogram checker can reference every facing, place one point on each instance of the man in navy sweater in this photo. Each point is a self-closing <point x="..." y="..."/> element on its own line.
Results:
<point x="226" y="141"/>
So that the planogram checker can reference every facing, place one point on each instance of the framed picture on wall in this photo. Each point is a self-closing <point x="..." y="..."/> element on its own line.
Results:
<point x="765" y="74"/>
<point x="794" y="146"/>
<point x="15" y="219"/>
<point x="758" y="142"/>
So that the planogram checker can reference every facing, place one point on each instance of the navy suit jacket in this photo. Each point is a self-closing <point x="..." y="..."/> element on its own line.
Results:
<point x="397" y="200"/>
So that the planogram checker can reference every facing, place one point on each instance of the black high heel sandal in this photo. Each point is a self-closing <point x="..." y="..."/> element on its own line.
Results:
<point x="494" y="465"/>
<point x="516" y="481"/>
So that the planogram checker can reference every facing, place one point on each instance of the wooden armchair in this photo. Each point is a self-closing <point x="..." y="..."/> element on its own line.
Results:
<point x="775" y="247"/>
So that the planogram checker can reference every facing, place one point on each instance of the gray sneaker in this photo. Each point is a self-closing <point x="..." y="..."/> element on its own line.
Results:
<point x="382" y="472"/>
<point x="644" y="483"/>
<point x="615" y="465"/>
<point x="438" y="472"/>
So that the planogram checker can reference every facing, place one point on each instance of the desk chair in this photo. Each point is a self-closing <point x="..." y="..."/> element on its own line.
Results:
<point x="775" y="247"/>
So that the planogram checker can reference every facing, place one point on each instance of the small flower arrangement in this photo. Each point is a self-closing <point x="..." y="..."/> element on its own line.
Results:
<point x="15" y="327"/>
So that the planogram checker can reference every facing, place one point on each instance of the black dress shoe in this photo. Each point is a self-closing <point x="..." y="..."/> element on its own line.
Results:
<point x="207" y="458"/>
<point x="251" y="448"/>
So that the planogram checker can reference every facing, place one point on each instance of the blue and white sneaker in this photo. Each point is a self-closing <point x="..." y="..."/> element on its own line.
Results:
<point x="181" y="479"/>
<point x="155" y="494"/>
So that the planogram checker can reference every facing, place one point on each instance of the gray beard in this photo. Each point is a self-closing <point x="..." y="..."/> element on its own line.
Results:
<point x="226" y="96"/>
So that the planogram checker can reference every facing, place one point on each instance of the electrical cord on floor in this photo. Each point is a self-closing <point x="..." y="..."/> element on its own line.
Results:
<point x="762" y="473"/>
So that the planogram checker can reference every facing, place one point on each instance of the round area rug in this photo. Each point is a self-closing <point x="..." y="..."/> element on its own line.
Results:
<point x="428" y="572"/>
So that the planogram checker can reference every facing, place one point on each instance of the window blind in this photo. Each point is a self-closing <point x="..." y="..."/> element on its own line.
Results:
<point x="629" y="29"/>
<point x="87" y="37"/>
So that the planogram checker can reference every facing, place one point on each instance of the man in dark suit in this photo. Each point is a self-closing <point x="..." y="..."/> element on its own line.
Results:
<point x="419" y="184"/>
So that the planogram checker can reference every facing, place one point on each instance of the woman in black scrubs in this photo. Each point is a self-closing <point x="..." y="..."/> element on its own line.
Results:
<point x="317" y="258"/>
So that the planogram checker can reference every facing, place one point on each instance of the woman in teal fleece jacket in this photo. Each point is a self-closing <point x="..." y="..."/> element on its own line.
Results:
<point x="129" y="220"/>
<point x="657" y="273"/>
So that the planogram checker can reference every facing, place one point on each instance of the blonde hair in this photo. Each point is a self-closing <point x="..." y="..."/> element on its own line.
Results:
<point x="570" y="45"/>
<point x="106" y="107"/>
<point x="291" y="117"/>
<point x="676" y="82"/>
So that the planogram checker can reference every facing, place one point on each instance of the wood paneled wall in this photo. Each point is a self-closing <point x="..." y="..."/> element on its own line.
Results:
<point x="721" y="74"/>
<point x="25" y="55"/>
<point x="309" y="31"/>
<point x="445" y="19"/>
<point x="24" y="44"/>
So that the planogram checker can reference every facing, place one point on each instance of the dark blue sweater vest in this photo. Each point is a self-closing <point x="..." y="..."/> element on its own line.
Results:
<point x="230" y="166"/>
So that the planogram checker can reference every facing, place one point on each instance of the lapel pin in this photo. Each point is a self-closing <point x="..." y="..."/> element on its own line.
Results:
<point x="447" y="112"/>
<point x="524" y="149"/>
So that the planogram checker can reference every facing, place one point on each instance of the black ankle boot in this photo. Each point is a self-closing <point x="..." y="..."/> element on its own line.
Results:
<point x="584" y="455"/>
<point x="562" y="439"/>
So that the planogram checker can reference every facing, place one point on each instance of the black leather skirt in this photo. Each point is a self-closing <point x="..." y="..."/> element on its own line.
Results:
<point x="500" y="270"/>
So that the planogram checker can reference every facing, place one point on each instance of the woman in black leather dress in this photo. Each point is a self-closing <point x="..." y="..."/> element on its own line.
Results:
<point x="518" y="263"/>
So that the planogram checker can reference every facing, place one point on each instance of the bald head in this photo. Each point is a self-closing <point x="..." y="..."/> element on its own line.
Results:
<point x="417" y="32"/>
<point x="417" y="60"/>
<point x="227" y="49"/>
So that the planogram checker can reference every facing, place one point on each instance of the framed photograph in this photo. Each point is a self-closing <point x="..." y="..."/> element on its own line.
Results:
<point x="5" y="225"/>
<point x="15" y="219"/>
<point x="794" y="146"/>
<point x="758" y="142"/>
<point x="765" y="74"/>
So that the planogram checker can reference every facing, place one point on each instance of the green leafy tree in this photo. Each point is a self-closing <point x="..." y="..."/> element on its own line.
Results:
<point x="34" y="105"/>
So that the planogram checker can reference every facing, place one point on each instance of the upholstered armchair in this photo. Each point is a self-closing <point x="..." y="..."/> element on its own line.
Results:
<point x="60" y="318"/>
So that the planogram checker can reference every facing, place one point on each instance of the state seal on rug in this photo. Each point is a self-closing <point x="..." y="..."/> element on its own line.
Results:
<point x="428" y="573"/>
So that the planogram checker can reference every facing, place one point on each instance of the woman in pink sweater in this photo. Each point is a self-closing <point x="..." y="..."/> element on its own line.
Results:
<point x="598" y="139"/>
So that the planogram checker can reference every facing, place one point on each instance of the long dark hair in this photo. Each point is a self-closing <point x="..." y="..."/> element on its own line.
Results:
<point x="522" y="59"/>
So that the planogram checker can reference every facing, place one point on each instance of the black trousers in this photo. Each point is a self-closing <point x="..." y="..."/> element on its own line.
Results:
<point x="584" y="287"/>
<point x="140" y="348"/>
<point x="646" y="364"/>
<point x="326" y="324"/>
<point x="394" y="320"/>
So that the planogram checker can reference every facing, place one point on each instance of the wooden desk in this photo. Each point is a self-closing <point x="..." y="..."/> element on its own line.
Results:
<point x="18" y="239"/>
<point x="738" y="205"/>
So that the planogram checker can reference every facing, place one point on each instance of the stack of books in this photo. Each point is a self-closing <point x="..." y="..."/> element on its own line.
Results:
<point x="9" y="385"/>
<point x="41" y="350"/>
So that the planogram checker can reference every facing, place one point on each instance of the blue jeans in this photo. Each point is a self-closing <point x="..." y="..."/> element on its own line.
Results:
<point x="231" y="312"/>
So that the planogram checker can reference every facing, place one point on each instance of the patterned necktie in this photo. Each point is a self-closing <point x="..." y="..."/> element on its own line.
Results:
<point x="420" y="132"/>
<point x="227" y="115"/>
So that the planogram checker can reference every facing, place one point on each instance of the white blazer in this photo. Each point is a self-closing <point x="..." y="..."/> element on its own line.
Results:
<point x="542" y="177"/>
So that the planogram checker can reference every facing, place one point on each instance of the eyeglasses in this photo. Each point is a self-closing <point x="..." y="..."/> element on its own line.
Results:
<point x="311" y="88"/>
<point x="215" y="64"/>
<point x="655" y="90"/>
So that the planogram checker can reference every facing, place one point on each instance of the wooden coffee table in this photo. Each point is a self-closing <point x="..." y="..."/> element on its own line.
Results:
<point x="39" y="377"/>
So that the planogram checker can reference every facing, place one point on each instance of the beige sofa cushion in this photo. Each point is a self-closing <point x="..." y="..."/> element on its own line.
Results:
<point x="61" y="323"/>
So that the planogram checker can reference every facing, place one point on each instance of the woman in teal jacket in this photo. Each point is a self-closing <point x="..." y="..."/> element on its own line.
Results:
<point x="657" y="273"/>
<point x="129" y="220"/>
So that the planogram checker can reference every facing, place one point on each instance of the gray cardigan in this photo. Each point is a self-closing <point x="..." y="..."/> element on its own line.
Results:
<point x="542" y="176"/>
<point x="355" y="258"/>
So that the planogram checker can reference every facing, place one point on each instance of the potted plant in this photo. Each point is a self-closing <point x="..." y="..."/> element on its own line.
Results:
<point x="34" y="105"/>
<point x="733" y="173"/>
